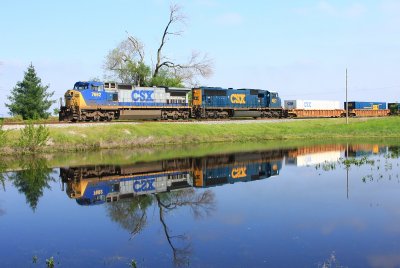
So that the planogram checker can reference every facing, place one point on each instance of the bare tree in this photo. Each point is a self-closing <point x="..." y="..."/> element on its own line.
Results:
<point x="197" y="65"/>
<point x="200" y="204"/>
<point x="126" y="63"/>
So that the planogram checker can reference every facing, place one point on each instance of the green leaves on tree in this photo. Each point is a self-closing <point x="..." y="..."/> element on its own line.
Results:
<point x="30" y="98"/>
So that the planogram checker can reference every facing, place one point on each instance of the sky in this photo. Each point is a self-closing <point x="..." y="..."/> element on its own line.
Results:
<point x="299" y="49"/>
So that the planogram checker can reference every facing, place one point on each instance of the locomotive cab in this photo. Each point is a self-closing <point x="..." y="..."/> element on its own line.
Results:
<point x="275" y="100"/>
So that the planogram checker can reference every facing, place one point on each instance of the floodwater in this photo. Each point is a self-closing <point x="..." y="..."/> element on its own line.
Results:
<point x="330" y="205"/>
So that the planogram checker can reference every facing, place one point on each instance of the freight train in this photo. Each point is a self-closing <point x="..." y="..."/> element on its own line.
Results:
<point x="98" y="101"/>
<point x="91" y="185"/>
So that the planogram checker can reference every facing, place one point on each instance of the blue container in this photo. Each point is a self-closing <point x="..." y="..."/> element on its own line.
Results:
<point x="366" y="105"/>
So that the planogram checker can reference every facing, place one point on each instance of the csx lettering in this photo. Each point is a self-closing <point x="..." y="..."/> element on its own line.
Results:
<point x="98" y="192"/>
<point x="96" y="94"/>
<point x="238" y="172"/>
<point x="142" y="95"/>
<point x="238" y="98"/>
<point x="144" y="185"/>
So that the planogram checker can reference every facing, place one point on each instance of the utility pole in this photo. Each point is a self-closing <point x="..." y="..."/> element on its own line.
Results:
<point x="347" y="104"/>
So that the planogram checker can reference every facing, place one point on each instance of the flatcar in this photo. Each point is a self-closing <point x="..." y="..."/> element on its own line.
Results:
<point x="366" y="109"/>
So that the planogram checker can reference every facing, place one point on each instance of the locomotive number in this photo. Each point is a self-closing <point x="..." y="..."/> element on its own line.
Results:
<point x="239" y="172"/>
<point x="238" y="98"/>
<point x="96" y="94"/>
<point x="142" y="95"/>
<point x="144" y="185"/>
<point x="98" y="192"/>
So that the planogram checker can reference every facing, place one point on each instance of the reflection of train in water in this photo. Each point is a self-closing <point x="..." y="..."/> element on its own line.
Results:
<point x="108" y="183"/>
<point x="99" y="184"/>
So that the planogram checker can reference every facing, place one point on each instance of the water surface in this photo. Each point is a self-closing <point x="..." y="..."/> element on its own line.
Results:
<point x="299" y="206"/>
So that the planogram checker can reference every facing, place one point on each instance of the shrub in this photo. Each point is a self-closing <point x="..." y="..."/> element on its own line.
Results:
<point x="15" y="119"/>
<point x="33" y="137"/>
<point x="3" y="135"/>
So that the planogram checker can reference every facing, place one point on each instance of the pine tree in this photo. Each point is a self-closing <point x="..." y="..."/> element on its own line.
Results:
<point x="30" y="98"/>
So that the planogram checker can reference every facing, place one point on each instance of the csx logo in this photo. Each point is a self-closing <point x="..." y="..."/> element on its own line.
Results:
<point x="98" y="192"/>
<point x="238" y="172"/>
<point x="144" y="185"/>
<point x="238" y="98"/>
<point x="96" y="94"/>
<point x="142" y="95"/>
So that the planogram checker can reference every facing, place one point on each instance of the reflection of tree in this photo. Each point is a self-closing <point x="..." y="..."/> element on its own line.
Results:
<point x="34" y="177"/>
<point x="379" y="168"/>
<point x="2" y="174"/>
<point x="131" y="215"/>
<point x="200" y="204"/>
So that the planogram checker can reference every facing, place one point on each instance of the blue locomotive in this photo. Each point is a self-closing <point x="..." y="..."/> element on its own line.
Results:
<point x="98" y="101"/>
<point x="215" y="102"/>
<point x="91" y="185"/>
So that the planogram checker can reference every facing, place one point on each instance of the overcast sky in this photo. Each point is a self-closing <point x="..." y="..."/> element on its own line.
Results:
<point x="297" y="48"/>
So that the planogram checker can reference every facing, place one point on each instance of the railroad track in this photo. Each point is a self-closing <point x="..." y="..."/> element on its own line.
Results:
<point x="19" y="125"/>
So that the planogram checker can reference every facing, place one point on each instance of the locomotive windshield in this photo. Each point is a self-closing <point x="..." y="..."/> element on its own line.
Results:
<point x="88" y="85"/>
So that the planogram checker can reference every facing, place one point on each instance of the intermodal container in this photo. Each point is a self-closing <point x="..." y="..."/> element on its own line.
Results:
<point x="317" y="158"/>
<point x="366" y="105"/>
<point x="311" y="104"/>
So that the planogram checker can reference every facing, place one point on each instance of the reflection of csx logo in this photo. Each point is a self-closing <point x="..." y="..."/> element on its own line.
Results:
<point x="238" y="98"/>
<point x="239" y="172"/>
<point x="144" y="185"/>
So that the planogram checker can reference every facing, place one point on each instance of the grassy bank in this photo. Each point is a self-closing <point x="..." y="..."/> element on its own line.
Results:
<point x="150" y="134"/>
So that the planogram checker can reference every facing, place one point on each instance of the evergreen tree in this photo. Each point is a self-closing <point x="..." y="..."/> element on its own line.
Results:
<point x="30" y="98"/>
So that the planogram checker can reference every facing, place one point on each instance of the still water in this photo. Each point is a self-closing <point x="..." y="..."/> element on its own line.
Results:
<point x="332" y="205"/>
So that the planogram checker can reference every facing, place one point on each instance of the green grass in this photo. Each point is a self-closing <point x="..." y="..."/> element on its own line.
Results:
<point x="150" y="134"/>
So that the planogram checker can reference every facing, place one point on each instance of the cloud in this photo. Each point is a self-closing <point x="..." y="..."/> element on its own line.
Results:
<point x="230" y="19"/>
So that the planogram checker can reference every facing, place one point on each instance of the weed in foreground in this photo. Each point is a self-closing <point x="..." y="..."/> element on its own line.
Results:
<point x="3" y="135"/>
<point x="32" y="138"/>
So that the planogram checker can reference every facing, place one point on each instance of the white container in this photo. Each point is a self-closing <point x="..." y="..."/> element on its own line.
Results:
<point x="317" y="158"/>
<point x="311" y="104"/>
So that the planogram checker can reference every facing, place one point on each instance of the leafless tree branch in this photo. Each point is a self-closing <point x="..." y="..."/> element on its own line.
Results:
<point x="175" y="16"/>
